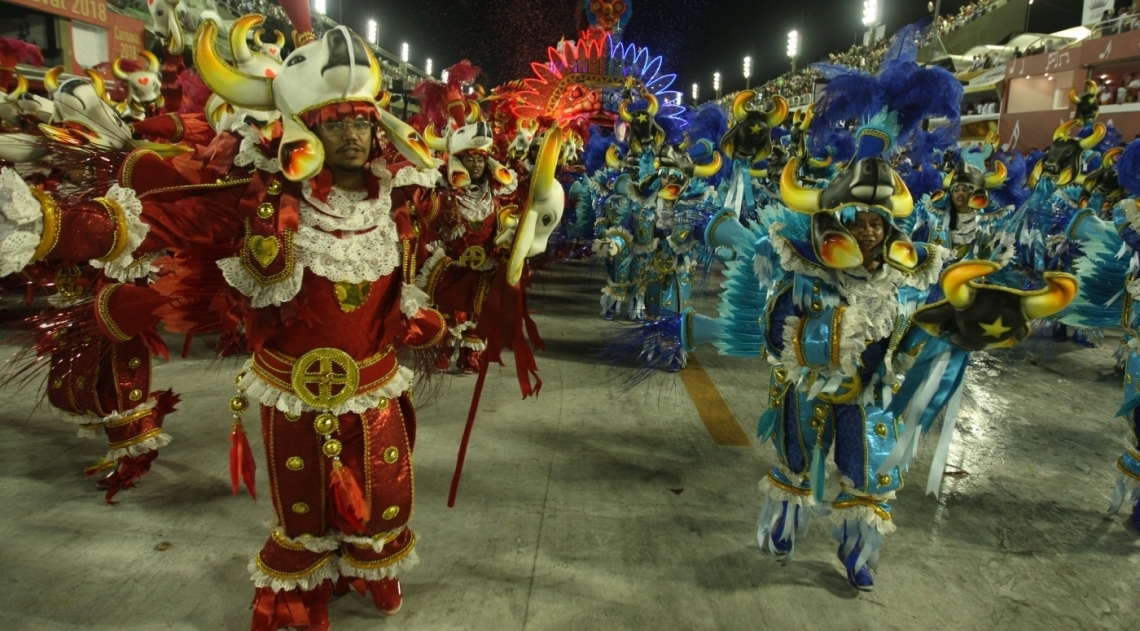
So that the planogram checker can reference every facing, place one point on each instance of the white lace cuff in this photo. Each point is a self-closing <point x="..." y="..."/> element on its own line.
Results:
<point x="21" y="223"/>
<point x="437" y="255"/>
<point x="125" y="267"/>
<point x="411" y="176"/>
<point x="412" y="299"/>
<point x="249" y="152"/>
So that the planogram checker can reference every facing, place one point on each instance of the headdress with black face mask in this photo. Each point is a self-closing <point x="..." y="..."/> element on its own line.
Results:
<point x="867" y="184"/>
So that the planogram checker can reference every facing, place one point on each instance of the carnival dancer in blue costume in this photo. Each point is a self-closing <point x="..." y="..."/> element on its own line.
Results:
<point x="1110" y="296"/>
<point x="963" y="217"/>
<point x="831" y="294"/>
<point x="749" y="144"/>
<point x="624" y="229"/>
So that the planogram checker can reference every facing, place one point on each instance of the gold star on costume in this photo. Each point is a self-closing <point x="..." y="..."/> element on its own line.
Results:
<point x="642" y="118"/>
<point x="755" y="128"/>
<point x="994" y="329"/>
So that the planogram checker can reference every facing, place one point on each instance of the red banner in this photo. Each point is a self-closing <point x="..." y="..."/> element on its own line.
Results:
<point x="89" y="11"/>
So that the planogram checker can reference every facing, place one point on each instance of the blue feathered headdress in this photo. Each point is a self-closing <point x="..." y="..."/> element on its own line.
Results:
<point x="1128" y="168"/>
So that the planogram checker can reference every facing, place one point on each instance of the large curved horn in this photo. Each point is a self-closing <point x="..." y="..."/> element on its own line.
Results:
<point x="239" y="33"/>
<point x="240" y="89"/>
<point x="117" y="70"/>
<point x="740" y="104"/>
<point x="1108" y="160"/>
<point x="1090" y="87"/>
<point x="902" y="202"/>
<point x="1093" y="139"/>
<point x="948" y="179"/>
<point x="956" y="281"/>
<point x="1062" y="132"/>
<point x="152" y="64"/>
<point x="434" y="140"/>
<point x="375" y="75"/>
<point x="21" y="88"/>
<point x="96" y="82"/>
<point x="998" y="176"/>
<point x="710" y="169"/>
<point x="613" y="160"/>
<point x="474" y="112"/>
<point x="779" y="111"/>
<point x="800" y="199"/>
<point x="1073" y="98"/>
<point x="51" y="79"/>
<point x="653" y="104"/>
<point x="280" y="39"/>
<point x="1045" y="302"/>
<point x="623" y="112"/>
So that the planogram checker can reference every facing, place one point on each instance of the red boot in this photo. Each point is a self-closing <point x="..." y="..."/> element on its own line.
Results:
<point x="126" y="473"/>
<point x="387" y="595"/>
<point x="468" y="360"/>
<point x="292" y="609"/>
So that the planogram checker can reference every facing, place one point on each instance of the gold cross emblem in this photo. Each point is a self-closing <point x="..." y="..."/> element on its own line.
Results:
<point x="325" y="377"/>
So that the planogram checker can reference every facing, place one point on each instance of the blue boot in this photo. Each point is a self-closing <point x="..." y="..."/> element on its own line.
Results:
<point x="779" y="545"/>
<point x="848" y="553"/>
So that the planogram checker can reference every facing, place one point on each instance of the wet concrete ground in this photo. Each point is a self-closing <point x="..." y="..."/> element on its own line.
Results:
<point x="594" y="508"/>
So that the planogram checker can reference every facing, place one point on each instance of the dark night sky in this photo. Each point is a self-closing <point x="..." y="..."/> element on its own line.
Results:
<point x="697" y="37"/>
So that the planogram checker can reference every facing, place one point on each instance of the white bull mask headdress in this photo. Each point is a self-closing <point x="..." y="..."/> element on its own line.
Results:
<point x="468" y="132"/>
<point x="334" y="68"/>
<point x="144" y="87"/>
<point x="82" y="113"/>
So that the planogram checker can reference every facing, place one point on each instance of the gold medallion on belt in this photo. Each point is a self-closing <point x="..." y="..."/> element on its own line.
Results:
<point x="325" y="377"/>
<point x="474" y="257"/>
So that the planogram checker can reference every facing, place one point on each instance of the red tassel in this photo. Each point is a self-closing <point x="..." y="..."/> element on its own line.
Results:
<point x="349" y="498"/>
<point x="242" y="466"/>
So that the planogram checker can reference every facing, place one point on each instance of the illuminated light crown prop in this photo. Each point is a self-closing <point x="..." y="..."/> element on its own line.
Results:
<point x="583" y="80"/>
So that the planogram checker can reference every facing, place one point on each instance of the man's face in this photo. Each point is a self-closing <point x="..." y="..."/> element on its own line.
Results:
<point x="347" y="143"/>
<point x="960" y="196"/>
<point x="475" y="163"/>
<point x="868" y="230"/>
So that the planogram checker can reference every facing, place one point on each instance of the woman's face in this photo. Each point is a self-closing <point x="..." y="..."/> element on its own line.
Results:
<point x="869" y="230"/>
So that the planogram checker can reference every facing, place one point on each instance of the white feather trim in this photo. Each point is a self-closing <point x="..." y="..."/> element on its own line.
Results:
<point x="863" y="514"/>
<point x="437" y="255"/>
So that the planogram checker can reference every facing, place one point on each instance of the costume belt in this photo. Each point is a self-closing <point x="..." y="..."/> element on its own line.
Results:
<point x="325" y="377"/>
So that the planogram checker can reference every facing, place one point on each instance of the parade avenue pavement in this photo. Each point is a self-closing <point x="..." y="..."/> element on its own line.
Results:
<point x="596" y="507"/>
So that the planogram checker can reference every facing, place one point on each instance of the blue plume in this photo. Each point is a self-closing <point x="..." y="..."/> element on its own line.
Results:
<point x="921" y="181"/>
<point x="1013" y="192"/>
<point x="710" y="122"/>
<point x="1128" y="168"/>
<point x="594" y="153"/>
<point x="1112" y="139"/>
<point x="851" y="95"/>
<point x="914" y="93"/>
<point x="674" y="128"/>
<point x="644" y="350"/>
<point x="829" y="71"/>
<point x="905" y="43"/>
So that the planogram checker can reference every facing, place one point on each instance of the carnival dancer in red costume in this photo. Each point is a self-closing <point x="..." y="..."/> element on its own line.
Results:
<point x="478" y="188"/>
<point x="325" y="250"/>
<point x="99" y="333"/>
